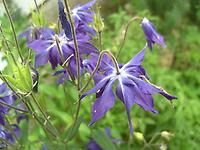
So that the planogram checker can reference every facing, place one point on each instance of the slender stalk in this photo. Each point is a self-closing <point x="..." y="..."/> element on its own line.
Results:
<point x="7" y="45"/>
<point x="13" y="29"/>
<point x="39" y="107"/>
<point x="38" y="11"/>
<point x="37" y="7"/>
<point x="98" y="65"/>
<point x="12" y="107"/>
<point x="100" y="40"/>
<point x="29" y="107"/>
<point x="126" y="31"/>
<point x="78" y="64"/>
<point x="46" y="130"/>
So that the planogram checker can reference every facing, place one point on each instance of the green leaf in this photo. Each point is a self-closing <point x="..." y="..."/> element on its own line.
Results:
<point x="21" y="80"/>
<point x="73" y="129"/>
<point x="103" y="140"/>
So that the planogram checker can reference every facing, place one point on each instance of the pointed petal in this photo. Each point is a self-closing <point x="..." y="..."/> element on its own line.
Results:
<point x="101" y="84"/>
<point x="103" y="103"/>
<point x="136" y="60"/>
<point x="88" y="5"/>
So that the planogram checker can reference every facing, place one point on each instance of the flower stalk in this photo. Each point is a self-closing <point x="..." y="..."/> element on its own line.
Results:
<point x="13" y="29"/>
<point x="78" y="63"/>
<point x="125" y="34"/>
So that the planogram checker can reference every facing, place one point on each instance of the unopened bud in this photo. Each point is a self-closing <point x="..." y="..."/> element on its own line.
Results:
<point x="98" y="21"/>
<point x="139" y="136"/>
<point x="166" y="135"/>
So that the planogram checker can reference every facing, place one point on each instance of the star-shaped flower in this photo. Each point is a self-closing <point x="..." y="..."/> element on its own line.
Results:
<point x="131" y="89"/>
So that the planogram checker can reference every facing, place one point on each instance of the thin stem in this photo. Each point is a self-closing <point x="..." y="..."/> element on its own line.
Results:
<point x="36" y="5"/>
<point x="39" y="107"/>
<point x="12" y="107"/>
<point x="7" y="45"/>
<point x="63" y="59"/>
<point x="126" y="31"/>
<point x="29" y="107"/>
<point x="98" y="65"/>
<point x="78" y="64"/>
<point x="46" y="130"/>
<point x="13" y="29"/>
<point x="38" y="11"/>
<point x="100" y="40"/>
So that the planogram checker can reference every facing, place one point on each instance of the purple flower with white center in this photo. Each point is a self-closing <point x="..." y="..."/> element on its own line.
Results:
<point x="83" y="13"/>
<point x="131" y="89"/>
<point x="152" y="36"/>
<point x="6" y="96"/>
<point x="46" y="48"/>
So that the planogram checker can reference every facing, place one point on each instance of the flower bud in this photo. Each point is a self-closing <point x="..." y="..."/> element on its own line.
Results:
<point x="166" y="135"/>
<point x="139" y="136"/>
<point x="98" y="21"/>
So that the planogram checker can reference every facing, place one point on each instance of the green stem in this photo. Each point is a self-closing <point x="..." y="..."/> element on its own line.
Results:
<point x="29" y="107"/>
<point x="36" y="5"/>
<point x="100" y="40"/>
<point x="78" y="63"/>
<point x="7" y="45"/>
<point x="126" y="31"/>
<point x="13" y="29"/>
<point x="12" y="107"/>
<point x="38" y="11"/>
<point x="39" y="107"/>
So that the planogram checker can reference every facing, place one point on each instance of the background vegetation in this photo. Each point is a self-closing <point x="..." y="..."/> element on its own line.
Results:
<point x="176" y="68"/>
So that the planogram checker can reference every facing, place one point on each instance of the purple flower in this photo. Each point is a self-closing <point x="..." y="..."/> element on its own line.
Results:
<point x="131" y="89"/>
<point x="152" y="36"/>
<point x="6" y="96"/>
<point x="83" y="13"/>
<point x="46" y="48"/>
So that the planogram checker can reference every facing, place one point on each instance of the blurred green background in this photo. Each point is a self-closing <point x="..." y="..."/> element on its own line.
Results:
<point x="176" y="69"/>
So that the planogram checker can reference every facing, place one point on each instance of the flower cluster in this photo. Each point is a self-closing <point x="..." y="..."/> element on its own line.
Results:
<point x="133" y="85"/>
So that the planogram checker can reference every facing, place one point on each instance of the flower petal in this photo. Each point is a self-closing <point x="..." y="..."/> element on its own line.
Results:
<point x="41" y="59"/>
<point x="100" y="84"/>
<point x="136" y="60"/>
<point x="103" y="103"/>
